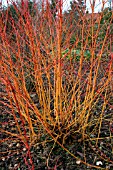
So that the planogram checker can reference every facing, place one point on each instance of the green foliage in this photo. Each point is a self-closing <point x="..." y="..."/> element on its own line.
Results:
<point x="107" y="16"/>
<point x="13" y="12"/>
<point x="31" y="8"/>
<point x="107" y="20"/>
<point x="76" y="53"/>
<point x="79" y="6"/>
<point x="74" y="20"/>
<point x="53" y="8"/>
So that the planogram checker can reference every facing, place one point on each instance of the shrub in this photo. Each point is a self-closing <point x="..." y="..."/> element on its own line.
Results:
<point x="46" y="94"/>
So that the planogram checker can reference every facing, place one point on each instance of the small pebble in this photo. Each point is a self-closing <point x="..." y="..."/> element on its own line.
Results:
<point x="32" y="95"/>
<point x="37" y="161"/>
<point x="15" y="165"/>
<point x="3" y="159"/>
<point x="10" y="166"/>
<point x="38" y="147"/>
<point x="78" y="162"/>
<point x="24" y="149"/>
<point x="17" y="153"/>
<point x="98" y="163"/>
<point x="18" y="145"/>
<point x="10" y="145"/>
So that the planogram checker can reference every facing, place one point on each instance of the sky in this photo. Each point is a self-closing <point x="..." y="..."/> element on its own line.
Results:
<point x="98" y="4"/>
